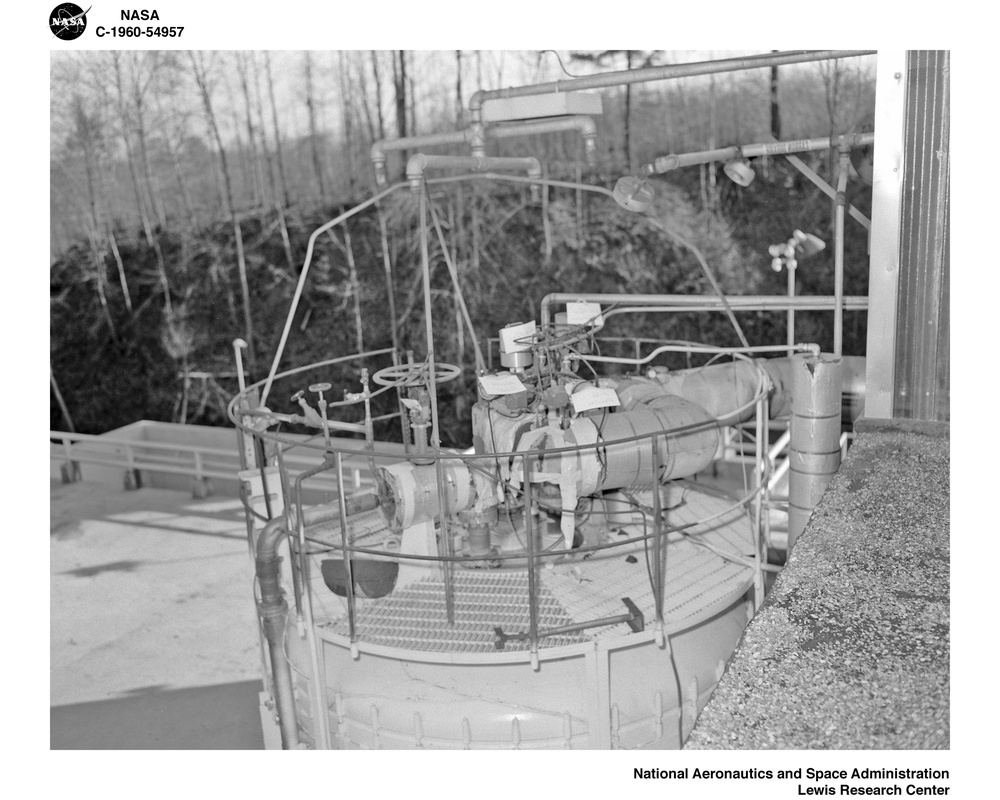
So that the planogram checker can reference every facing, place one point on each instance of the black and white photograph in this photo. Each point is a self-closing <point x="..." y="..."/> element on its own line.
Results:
<point x="501" y="399"/>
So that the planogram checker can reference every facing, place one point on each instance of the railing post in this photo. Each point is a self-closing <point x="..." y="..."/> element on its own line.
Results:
<point x="760" y="486"/>
<point x="348" y="565"/>
<point x="133" y="480"/>
<point x="70" y="471"/>
<point x="444" y="540"/>
<point x="659" y="551"/>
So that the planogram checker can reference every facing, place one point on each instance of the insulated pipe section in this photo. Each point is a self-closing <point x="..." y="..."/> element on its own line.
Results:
<point x="672" y="162"/>
<point x="273" y="608"/>
<point x="421" y="162"/>
<point x="721" y="389"/>
<point x="688" y="444"/>
<point x="666" y="72"/>
<point x="814" y="454"/>
<point x="409" y="493"/>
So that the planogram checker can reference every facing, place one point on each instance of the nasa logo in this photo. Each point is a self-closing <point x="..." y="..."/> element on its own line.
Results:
<point x="68" y="21"/>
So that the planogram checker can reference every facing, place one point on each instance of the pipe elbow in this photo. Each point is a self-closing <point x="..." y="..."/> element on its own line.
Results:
<point x="585" y="125"/>
<point x="476" y="105"/>
<point x="415" y="167"/>
<point x="267" y="541"/>
<point x="378" y="162"/>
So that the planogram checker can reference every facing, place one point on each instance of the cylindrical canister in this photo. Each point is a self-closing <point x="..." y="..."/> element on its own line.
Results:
<point x="814" y="452"/>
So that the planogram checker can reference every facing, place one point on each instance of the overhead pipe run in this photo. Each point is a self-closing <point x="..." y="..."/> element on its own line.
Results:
<point x="666" y="72"/>
<point x="477" y="134"/>
<point x="735" y="153"/>
<point x="422" y="162"/>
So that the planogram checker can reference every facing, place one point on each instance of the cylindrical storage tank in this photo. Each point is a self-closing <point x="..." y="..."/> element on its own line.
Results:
<point x="622" y="696"/>
<point x="814" y="451"/>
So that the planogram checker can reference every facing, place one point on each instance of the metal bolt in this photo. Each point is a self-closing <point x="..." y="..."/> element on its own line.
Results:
<point x="897" y="75"/>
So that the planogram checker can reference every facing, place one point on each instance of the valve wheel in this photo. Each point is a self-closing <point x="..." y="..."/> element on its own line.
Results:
<point x="415" y="374"/>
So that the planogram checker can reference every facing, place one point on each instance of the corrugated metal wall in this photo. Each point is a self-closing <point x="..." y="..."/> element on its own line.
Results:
<point x="923" y="364"/>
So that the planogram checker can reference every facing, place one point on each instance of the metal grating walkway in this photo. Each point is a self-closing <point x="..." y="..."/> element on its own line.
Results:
<point x="415" y="617"/>
<point x="572" y="591"/>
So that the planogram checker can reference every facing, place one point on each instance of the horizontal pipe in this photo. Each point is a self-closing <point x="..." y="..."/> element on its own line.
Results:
<point x="420" y="162"/>
<point x="476" y="135"/>
<point x="578" y="122"/>
<point x="666" y="72"/>
<point x="740" y="302"/>
<point x="676" y="161"/>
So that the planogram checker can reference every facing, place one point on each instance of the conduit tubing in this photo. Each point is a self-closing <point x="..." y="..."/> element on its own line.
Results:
<point x="666" y="72"/>
<point x="838" y="254"/>
<point x="676" y="161"/>
<point x="305" y="274"/>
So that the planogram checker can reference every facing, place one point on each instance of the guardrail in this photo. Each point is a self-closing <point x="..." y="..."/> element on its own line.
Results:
<point x="177" y="458"/>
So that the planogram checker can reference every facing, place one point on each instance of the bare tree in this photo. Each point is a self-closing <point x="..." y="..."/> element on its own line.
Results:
<point x="775" y="108"/>
<point x="276" y="198"/>
<point x="283" y="182"/>
<point x="258" y="179"/>
<point x="459" y="106"/>
<point x="378" y="95"/>
<point x="313" y="134"/>
<point x="347" y="114"/>
<point x="359" y="65"/>
<point x="147" y="227"/>
<point x="200" y="73"/>
<point x="399" y="81"/>
<point x="86" y="134"/>
<point x="145" y="65"/>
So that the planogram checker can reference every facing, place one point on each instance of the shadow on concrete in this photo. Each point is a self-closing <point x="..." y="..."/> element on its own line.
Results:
<point x="222" y="717"/>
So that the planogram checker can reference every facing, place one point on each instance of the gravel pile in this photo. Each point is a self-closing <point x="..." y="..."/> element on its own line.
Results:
<point x="851" y="648"/>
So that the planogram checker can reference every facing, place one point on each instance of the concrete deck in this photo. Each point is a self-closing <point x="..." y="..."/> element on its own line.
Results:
<point x="153" y="640"/>
<point x="851" y="648"/>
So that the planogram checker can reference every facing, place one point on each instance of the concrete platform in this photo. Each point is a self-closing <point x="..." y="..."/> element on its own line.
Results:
<point x="851" y="648"/>
<point x="153" y="640"/>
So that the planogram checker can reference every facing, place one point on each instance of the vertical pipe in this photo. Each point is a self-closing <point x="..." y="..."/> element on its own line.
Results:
<point x="444" y="539"/>
<point x="814" y="452"/>
<point x="791" y="311"/>
<point x="760" y="486"/>
<point x="838" y="260"/>
<point x="284" y="694"/>
<point x="529" y="535"/>
<point x="425" y="264"/>
<point x="322" y="735"/>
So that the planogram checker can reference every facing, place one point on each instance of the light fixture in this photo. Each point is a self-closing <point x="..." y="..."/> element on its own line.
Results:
<point x="738" y="170"/>
<point x="633" y="194"/>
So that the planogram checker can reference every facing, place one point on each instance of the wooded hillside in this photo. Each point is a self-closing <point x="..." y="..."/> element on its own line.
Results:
<point x="185" y="187"/>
